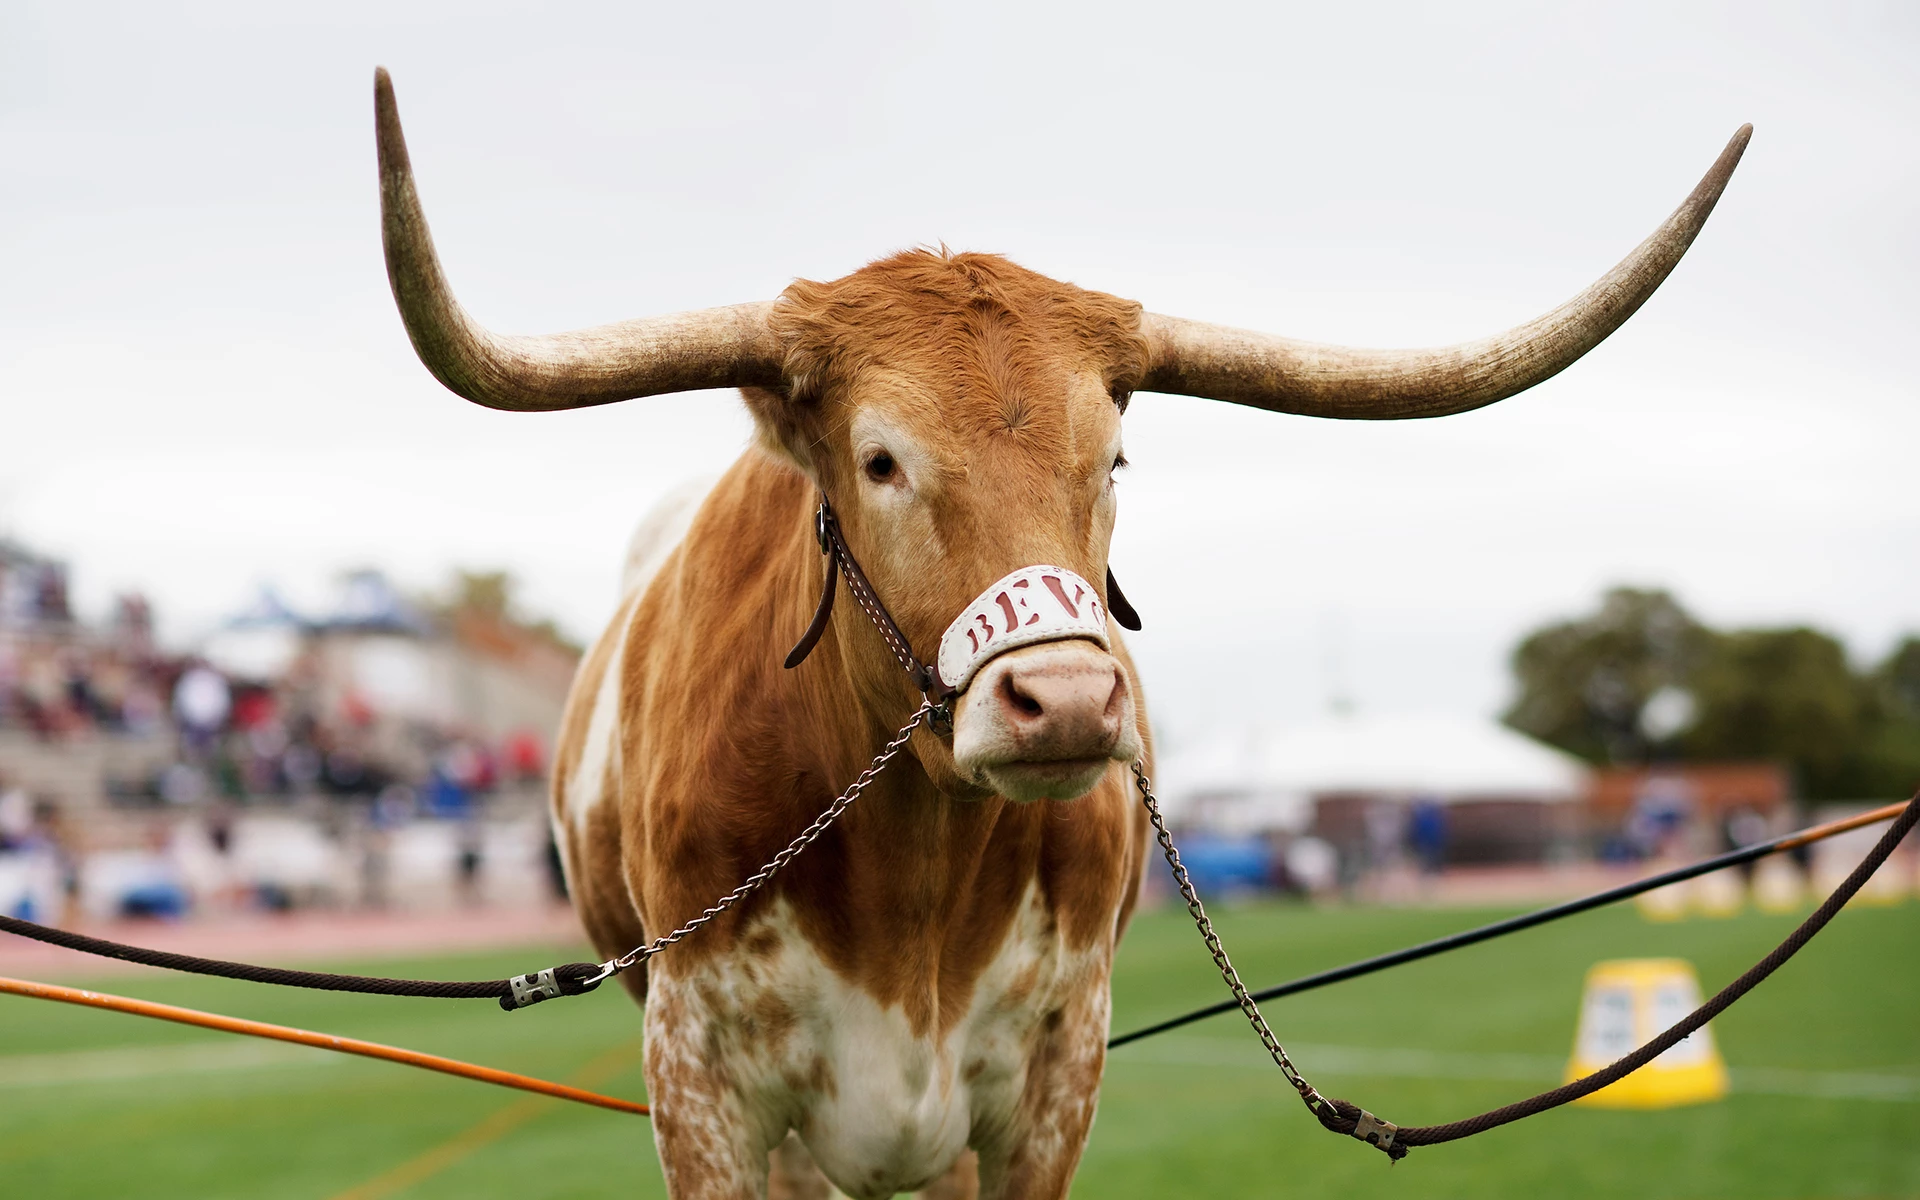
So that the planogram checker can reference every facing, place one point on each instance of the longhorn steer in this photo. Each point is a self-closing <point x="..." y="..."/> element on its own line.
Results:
<point x="920" y="1000"/>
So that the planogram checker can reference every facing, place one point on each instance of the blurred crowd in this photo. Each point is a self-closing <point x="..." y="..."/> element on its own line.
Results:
<point x="138" y="782"/>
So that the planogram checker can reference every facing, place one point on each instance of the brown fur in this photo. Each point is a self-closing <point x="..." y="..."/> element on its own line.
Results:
<point x="1011" y="384"/>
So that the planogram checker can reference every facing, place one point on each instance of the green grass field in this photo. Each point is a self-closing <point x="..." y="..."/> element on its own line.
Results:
<point x="1825" y="1056"/>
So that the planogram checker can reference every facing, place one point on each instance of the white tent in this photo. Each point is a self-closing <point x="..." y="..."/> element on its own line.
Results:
<point x="1264" y="778"/>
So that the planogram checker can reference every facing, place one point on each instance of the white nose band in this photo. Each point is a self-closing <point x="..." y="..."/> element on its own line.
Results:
<point x="1034" y="604"/>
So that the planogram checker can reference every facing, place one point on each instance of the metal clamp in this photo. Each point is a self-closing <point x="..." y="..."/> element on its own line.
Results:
<point x="531" y="989"/>
<point x="1375" y="1132"/>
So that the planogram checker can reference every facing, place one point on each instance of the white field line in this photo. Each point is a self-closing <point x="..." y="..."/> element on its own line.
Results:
<point x="1525" y="1068"/>
<point x="147" y="1062"/>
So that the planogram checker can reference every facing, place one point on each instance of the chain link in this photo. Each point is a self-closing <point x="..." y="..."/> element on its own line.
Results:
<point x="1313" y="1098"/>
<point x="811" y="833"/>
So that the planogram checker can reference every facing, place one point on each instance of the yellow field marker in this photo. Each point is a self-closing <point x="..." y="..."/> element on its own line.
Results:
<point x="1628" y="1002"/>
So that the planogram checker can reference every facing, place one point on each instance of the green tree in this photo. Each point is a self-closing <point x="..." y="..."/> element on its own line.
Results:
<point x="1898" y="680"/>
<point x="1785" y="694"/>
<point x="495" y="594"/>
<point x="1641" y="678"/>
<point x="489" y="592"/>
<point x="1585" y="684"/>
<point x="1895" y="748"/>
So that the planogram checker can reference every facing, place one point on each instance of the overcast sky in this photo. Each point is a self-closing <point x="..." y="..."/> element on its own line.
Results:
<point x="204" y="384"/>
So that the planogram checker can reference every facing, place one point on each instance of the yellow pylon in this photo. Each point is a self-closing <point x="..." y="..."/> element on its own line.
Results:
<point x="1628" y="1002"/>
<point x="1663" y="904"/>
<point x="1778" y="885"/>
<point x="1721" y="894"/>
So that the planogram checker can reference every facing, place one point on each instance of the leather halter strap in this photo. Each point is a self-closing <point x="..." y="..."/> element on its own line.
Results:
<point x="833" y="544"/>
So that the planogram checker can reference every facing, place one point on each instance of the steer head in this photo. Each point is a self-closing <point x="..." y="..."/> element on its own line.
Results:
<point x="963" y="416"/>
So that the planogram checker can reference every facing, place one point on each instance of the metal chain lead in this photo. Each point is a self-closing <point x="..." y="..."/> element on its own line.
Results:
<point x="1308" y="1093"/>
<point x="640" y="954"/>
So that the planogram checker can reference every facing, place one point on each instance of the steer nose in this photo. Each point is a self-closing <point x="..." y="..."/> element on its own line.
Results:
<point x="1045" y="721"/>
<point x="1062" y="709"/>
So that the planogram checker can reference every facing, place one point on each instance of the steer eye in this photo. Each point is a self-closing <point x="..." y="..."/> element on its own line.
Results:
<point x="1119" y="461"/>
<point x="880" y="467"/>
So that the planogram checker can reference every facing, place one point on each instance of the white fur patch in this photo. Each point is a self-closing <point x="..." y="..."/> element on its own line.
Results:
<point x="659" y="533"/>
<point x="600" y="749"/>
<point x="880" y="1109"/>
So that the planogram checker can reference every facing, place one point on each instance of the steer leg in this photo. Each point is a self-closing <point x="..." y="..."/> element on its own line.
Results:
<point x="711" y="1146"/>
<point x="1056" y="1107"/>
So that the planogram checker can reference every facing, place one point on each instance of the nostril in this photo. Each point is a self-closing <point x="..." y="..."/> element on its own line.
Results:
<point x="1117" y="698"/>
<point x="1017" y="699"/>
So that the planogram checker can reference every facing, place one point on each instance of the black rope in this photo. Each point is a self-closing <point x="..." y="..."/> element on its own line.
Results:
<point x="1347" y="1117"/>
<point x="1469" y="937"/>
<point x="569" y="978"/>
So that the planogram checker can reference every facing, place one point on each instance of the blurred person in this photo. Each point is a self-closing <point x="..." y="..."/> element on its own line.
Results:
<point x="525" y="757"/>
<point x="50" y="605"/>
<point x="1427" y="832"/>
<point x="471" y="765"/>
<point x="266" y="746"/>
<point x="160" y="890"/>
<point x="1741" y="828"/>
<point x="82" y="702"/>
<point x="141" y="709"/>
<point x="202" y="702"/>
<point x="443" y="795"/>
<point x="57" y="834"/>
<point x="1662" y="814"/>
<point x="1314" y="864"/>
<point x="1386" y="867"/>
<point x="43" y="694"/>
<point x="390" y="810"/>
<point x="350" y="773"/>
<point x="471" y="859"/>
<point x="9" y="685"/>
<point x="16" y="818"/>
<point x="253" y="707"/>
<point x="111" y="681"/>
<point x="200" y="852"/>
<point x="301" y="766"/>
<point x="132" y="630"/>
<point x="31" y="882"/>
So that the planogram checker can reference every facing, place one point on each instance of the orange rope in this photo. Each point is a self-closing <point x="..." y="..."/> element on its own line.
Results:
<point x="324" y="1041"/>
<point x="1821" y="832"/>
<point x="526" y="1083"/>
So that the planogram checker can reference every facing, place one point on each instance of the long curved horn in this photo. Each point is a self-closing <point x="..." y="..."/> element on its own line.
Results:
<point x="1191" y="358"/>
<point x="707" y="348"/>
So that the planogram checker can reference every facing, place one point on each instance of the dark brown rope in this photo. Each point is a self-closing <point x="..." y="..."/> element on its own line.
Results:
<point x="1346" y="1117"/>
<point x="569" y="976"/>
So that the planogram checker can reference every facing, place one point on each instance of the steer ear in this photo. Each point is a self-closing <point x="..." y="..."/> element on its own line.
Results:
<point x="785" y="426"/>
<point x="1117" y="604"/>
